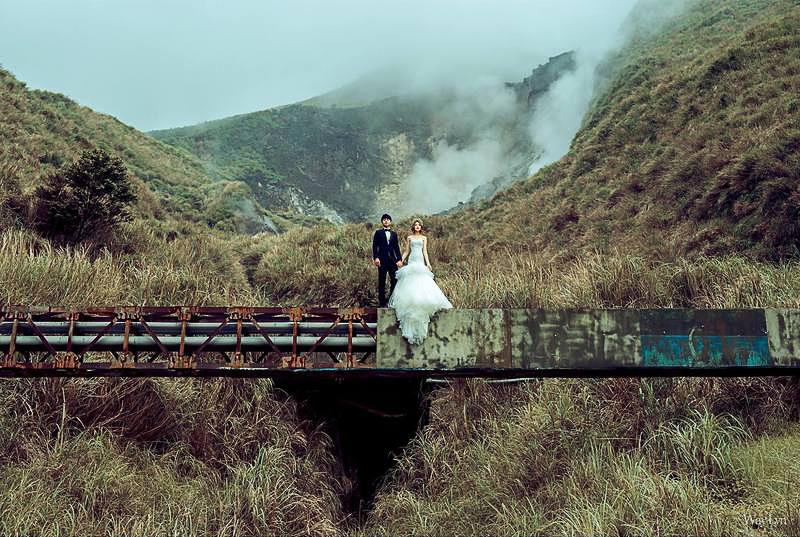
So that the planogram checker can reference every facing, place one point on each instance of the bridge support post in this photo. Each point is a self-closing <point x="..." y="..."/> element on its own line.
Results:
<point x="181" y="361"/>
<point x="69" y="360"/>
<point x="11" y="355"/>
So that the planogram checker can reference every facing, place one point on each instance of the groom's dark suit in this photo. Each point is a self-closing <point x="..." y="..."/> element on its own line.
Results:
<point x="388" y="251"/>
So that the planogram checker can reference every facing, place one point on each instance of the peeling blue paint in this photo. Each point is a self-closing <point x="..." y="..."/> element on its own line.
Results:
<point x="705" y="351"/>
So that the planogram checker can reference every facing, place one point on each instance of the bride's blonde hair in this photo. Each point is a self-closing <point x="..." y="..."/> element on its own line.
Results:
<point x="421" y="226"/>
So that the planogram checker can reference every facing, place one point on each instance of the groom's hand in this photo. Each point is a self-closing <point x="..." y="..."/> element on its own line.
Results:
<point x="377" y="262"/>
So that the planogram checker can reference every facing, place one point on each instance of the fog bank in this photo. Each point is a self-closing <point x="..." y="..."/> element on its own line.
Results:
<point x="165" y="64"/>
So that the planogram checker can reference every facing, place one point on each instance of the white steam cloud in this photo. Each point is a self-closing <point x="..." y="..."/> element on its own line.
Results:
<point x="453" y="173"/>
<point x="439" y="184"/>
<point x="560" y="112"/>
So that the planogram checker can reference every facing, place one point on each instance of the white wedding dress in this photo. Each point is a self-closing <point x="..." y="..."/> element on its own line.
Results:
<point x="416" y="296"/>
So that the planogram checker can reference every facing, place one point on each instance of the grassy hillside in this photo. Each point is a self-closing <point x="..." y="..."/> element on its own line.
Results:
<point x="40" y="131"/>
<point x="616" y="223"/>
<point x="693" y="147"/>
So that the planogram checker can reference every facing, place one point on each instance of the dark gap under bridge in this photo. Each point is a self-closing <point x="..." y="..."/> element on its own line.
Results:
<point x="311" y="344"/>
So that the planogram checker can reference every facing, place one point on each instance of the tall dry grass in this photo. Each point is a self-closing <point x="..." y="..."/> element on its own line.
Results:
<point x="561" y="457"/>
<point x="329" y="265"/>
<point x="607" y="457"/>
<point x="611" y="280"/>
<point x="323" y="265"/>
<point x="153" y="457"/>
<point x="144" y="457"/>
<point x="198" y="269"/>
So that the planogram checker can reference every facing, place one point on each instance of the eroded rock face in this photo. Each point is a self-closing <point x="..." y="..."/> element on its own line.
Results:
<point x="401" y="154"/>
<point x="306" y="206"/>
<point x="534" y="86"/>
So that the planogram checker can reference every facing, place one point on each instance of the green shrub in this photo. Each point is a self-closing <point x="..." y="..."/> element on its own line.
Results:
<point x="86" y="201"/>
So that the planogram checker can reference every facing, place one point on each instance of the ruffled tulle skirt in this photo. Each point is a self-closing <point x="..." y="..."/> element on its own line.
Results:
<point x="415" y="299"/>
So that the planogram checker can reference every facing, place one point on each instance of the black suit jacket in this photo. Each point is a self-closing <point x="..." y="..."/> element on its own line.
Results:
<point x="388" y="253"/>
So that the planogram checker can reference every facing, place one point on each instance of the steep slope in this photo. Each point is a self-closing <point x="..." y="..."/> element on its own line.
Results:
<point x="39" y="131"/>
<point x="693" y="146"/>
<point x="336" y="159"/>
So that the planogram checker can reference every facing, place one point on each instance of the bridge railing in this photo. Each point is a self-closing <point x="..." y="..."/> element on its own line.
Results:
<point x="49" y="339"/>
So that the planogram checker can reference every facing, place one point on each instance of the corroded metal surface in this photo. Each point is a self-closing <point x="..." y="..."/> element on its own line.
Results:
<point x="178" y="339"/>
<point x="244" y="341"/>
<point x="783" y="332"/>
<point x="592" y="339"/>
<point x="456" y="338"/>
<point x="704" y="338"/>
<point x="599" y="341"/>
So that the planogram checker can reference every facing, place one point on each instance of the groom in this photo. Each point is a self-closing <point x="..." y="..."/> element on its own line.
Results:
<point x="386" y="256"/>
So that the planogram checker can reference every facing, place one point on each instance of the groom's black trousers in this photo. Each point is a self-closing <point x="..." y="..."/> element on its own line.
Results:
<point x="383" y="270"/>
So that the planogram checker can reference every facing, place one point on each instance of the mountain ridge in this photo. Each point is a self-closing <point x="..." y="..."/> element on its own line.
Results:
<point x="351" y="163"/>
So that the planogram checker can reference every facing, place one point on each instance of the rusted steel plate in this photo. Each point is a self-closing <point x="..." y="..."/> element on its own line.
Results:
<point x="783" y="327"/>
<point x="568" y="339"/>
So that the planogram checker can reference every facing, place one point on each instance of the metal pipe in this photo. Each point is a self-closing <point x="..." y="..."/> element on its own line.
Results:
<point x="173" y="327"/>
<point x="172" y="343"/>
<point x="490" y="381"/>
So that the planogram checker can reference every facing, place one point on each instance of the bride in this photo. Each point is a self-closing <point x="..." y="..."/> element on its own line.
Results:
<point x="416" y="296"/>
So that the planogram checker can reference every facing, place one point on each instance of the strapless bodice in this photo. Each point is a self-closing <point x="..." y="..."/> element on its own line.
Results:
<point x="416" y="255"/>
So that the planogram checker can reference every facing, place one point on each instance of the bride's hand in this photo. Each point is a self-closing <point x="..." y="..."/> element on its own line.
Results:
<point x="429" y="267"/>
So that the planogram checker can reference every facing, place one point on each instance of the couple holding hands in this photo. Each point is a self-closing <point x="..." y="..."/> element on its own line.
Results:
<point x="415" y="297"/>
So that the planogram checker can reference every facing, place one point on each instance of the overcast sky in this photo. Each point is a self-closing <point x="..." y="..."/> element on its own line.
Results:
<point x="167" y="63"/>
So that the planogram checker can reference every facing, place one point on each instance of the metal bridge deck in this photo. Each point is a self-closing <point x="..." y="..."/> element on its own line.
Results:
<point x="353" y="343"/>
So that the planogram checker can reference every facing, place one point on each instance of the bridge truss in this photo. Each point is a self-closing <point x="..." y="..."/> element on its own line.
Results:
<point x="176" y="341"/>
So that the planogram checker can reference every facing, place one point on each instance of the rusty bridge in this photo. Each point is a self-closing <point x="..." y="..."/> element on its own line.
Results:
<point x="352" y="342"/>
